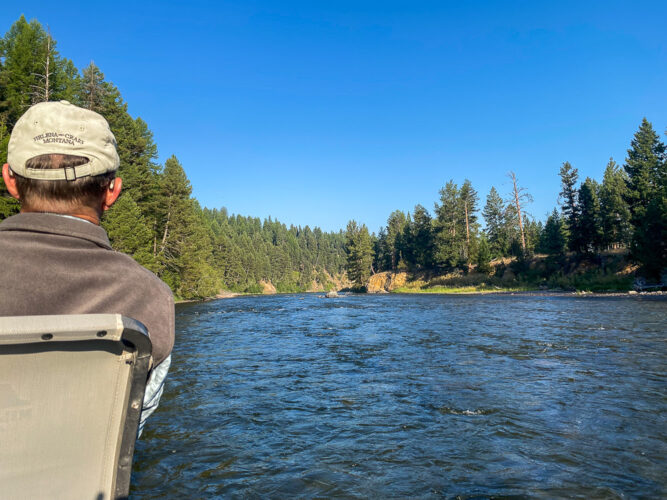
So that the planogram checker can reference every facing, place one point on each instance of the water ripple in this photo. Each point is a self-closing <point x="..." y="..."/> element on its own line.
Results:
<point x="412" y="396"/>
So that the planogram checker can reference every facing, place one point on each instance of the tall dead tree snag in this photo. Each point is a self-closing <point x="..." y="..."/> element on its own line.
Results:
<point x="519" y="198"/>
<point x="41" y="91"/>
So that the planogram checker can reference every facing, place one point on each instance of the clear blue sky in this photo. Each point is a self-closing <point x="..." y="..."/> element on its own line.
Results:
<point x="316" y="113"/>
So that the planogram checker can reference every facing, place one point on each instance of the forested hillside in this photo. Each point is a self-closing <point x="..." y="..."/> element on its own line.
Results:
<point x="156" y="220"/>
<point x="199" y="251"/>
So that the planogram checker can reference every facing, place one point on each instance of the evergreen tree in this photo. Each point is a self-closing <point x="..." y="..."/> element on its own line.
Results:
<point x="31" y="71"/>
<point x="381" y="257"/>
<point x="484" y="256"/>
<point x="588" y="232"/>
<point x="93" y="90"/>
<point x="650" y="239"/>
<point x="645" y="167"/>
<point x="359" y="253"/>
<point x="396" y="224"/>
<point x="494" y="218"/>
<point x="533" y="232"/>
<point x="20" y="53"/>
<point x="197" y="277"/>
<point x="138" y="168"/>
<point x="185" y="248"/>
<point x="568" y="198"/>
<point x="469" y="200"/>
<point x="129" y="233"/>
<point x="407" y="245"/>
<point x="614" y="211"/>
<point x="422" y="238"/>
<point x="23" y="50"/>
<point x="553" y="238"/>
<point x="66" y="82"/>
<point x="450" y="228"/>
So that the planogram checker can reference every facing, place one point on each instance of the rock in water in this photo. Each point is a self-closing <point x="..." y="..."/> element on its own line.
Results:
<point x="332" y="294"/>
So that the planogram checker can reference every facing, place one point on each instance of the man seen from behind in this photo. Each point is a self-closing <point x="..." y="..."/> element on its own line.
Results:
<point x="62" y="164"/>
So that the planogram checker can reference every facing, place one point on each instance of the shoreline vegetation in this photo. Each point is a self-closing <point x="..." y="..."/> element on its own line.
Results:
<point x="610" y="273"/>
<point x="605" y="236"/>
<point x="615" y="275"/>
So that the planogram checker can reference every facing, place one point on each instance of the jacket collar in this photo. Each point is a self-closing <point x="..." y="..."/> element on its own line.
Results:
<point x="57" y="224"/>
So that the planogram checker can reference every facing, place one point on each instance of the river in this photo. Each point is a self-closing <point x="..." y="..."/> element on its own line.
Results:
<point x="426" y="396"/>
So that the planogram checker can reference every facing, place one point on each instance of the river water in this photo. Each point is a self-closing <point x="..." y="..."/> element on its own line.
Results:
<point x="427" y="396"/>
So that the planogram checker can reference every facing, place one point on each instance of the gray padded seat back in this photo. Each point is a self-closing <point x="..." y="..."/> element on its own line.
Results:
<point x="71" y="389"/>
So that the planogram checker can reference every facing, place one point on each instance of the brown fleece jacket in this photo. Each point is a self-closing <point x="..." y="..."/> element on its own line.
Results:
<point x="52" y="264"/>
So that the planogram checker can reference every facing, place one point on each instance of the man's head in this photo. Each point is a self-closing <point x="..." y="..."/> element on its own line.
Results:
<point x="62" y="158"/>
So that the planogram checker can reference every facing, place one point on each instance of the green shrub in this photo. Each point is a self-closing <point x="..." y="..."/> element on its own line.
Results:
<point x="254" y="288"/>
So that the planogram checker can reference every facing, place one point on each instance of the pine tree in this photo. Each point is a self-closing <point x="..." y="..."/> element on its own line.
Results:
<point x="569" y="177"/>
<point x="588" y="232"/>
<point x="66" y="82"/>
<point x="494" y="218"/>
<point x="93" y="91"/>
<point x="23" y="50"/>
<point x="405" y="243"/>
<point x="614" y="211"/>
<point x="450" y="228"/>
<point x="138" y="169"/>
<point x="533" y="231"/>
<point x="198" y="279"/>
<point x="382" y="251"/>
<point x="359" y="253"/>
<point x="469" y="201"/>
<point x="422" y="238"/>
<point x="129" y="233"/>
<point x="553" y="238"/>
<point x="650" y="239"/>
<point x="484" y="256"/>
<point x="31" y="71"/>
<point x="185" y="247"/>
<point x="395" y="226"/>
<point x="645" y="167"/>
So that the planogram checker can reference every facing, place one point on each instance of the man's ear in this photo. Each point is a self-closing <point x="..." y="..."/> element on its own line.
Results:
<point x="112" y="193"/>
<point x="10" y="181"/>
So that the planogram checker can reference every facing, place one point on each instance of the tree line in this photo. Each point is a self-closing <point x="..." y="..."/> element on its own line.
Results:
<point x="198" y="251"/>
<point x="628" y="209"/>
<point x="156" y="220"/>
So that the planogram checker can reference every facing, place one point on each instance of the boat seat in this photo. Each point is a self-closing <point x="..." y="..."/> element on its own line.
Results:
<point x="71" y="390"/>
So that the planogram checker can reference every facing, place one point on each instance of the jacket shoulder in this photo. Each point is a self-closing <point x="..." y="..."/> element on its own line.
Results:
<point x="135" y="271"/>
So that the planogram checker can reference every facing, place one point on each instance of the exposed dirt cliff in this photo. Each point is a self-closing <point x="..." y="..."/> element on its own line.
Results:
<point x="386" y="282"/>
<point x="267" y="287"/>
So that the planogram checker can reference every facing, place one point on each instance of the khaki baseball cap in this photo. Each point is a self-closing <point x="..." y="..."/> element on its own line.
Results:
<point x="62" y="128"/>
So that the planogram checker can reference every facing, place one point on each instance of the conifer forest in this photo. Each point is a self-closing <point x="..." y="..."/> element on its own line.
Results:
<point x="200" y="251"/>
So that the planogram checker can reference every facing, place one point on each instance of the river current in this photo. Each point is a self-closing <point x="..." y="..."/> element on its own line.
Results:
<point x="419" y="396"/>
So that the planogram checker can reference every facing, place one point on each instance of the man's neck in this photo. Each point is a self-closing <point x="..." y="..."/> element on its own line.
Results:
<point x="83" y="214"/>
